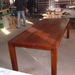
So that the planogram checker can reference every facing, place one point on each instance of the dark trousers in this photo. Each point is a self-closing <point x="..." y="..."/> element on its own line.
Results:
<point x="31" y="10"/>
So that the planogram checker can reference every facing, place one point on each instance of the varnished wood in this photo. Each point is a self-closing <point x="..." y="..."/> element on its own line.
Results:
<point x="42" y="35"/>
<point x="13" y="58"/>
<point x="68" y="27"/>
<point x="54" y="62"/>
<point x="45" y="35"/>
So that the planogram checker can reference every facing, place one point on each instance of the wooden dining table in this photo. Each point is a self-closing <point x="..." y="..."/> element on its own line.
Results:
<point x="44" y="35"/>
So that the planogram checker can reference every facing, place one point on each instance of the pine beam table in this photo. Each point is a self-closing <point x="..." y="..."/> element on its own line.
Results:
<point x="46" y="35"/>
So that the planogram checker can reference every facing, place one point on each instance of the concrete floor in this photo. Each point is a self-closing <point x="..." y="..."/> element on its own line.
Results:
<point x="38" y="62"/>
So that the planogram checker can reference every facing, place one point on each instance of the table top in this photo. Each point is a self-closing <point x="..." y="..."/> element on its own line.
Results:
<point x="45" y="35"/>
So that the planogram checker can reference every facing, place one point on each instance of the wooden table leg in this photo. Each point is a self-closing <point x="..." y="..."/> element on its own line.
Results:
<point x="14" y="21"/>
<point x="11" y="21"/>
<point x="68" y="29"/>
<point x="54" y="62"/>
<point x="13" y="58"/>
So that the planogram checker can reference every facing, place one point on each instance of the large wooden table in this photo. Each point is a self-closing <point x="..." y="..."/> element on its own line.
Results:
<point x="45" y="35"/>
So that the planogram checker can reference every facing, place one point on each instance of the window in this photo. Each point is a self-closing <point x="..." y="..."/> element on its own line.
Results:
<point x="12" y="1"/>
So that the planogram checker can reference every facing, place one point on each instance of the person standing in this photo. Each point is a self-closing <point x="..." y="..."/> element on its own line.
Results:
<point x="20" y="4"/>
<point x="30" y="6"/>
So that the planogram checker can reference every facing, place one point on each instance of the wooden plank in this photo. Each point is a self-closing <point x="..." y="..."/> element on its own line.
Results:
<point x="13" y="57"/>
<point x="54" y="62"/>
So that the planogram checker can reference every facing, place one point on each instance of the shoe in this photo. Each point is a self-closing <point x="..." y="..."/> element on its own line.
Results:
<point x="18" y="27"/>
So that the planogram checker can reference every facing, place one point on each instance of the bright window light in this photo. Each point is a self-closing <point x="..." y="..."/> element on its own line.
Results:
<point x="5" y="31"/>
<point x="11" y="1"/>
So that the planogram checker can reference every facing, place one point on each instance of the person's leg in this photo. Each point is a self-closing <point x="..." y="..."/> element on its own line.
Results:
<point x="18" y="19"/>
<point x="23" y="15"/>
<point x="31" y="12"/>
